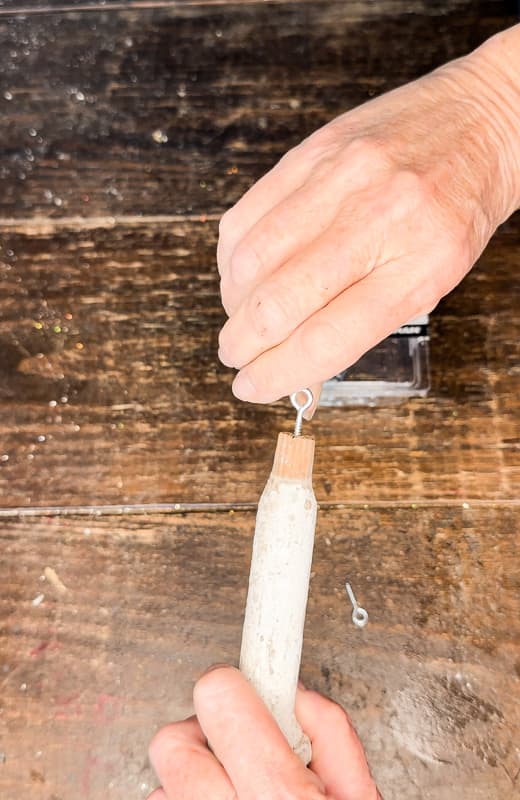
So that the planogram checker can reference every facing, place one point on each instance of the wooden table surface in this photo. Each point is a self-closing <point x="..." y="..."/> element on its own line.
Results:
<point x="129" y="474"/>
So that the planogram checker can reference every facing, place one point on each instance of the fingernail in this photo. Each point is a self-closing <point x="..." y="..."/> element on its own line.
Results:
<point x="243" y="387"/>
<point x="214" y="667"/>
<point x="316" y="393"/>
<point x="308" y="415"/>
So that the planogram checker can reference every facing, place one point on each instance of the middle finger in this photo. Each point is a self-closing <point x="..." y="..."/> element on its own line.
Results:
<point x="347" y="252"/>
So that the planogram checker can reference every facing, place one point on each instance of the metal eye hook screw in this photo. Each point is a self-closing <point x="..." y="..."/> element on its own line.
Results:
<point x="359" y="615"/>
<point x="301" y="409"/>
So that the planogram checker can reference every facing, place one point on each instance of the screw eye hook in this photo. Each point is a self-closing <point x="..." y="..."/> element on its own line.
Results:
<point x="359" y="615"/>
<point x="301" y="408"/>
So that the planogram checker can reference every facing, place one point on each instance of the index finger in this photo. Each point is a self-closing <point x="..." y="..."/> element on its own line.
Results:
<point x="281" y="180"/>
<point x="247" y="741"/>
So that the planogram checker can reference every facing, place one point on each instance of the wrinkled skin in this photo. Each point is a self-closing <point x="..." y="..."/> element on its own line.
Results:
<point x="249" y="758"/>
<point x="368" y="223"/>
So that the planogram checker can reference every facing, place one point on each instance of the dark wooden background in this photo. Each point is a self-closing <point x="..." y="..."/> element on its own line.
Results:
<point x="129" y="474"/>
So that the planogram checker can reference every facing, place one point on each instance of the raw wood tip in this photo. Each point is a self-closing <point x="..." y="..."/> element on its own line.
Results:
<point x="294" y="457"/>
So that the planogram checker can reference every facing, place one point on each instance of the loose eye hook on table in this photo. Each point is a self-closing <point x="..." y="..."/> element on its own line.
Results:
<point x="359" y="615"/>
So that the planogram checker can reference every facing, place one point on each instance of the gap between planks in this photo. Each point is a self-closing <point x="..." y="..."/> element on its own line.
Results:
<point x="137" y="5"/>
<point x="47" y="225"/>
<point x="394" y="7"/>
<point x="187" y="508"/>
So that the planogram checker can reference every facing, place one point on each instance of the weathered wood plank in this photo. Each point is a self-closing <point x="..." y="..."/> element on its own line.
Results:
<point x="355" y="9"/>
<point x="110" y="390"/>
<point x="91" y="672"/>
<point x="359" y="8"/>
<point x="117" y="112"/>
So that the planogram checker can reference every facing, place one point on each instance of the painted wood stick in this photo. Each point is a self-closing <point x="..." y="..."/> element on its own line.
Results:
<point x="272" y="635"/>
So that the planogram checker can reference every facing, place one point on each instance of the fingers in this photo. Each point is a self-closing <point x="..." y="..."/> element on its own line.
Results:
<point x="286" y="229"/>
<point x="283" y="179"/>
<point x="247" y="740"/>
<point x="184" y="765"/>
<point x="343" y="255"/>
<point x="337" y="754"/>
<point x="337" y="335"/>
<point x="254" y="245"/>
<point x="257" y="759"/>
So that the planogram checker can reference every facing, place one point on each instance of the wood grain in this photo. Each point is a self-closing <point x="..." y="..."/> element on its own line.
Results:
<point x="110" y="390"/>
<point x="110" y="393"/>
<point x="113" y="112"/>
<point x="354" y="8"/>
<point x="150" y="602"/>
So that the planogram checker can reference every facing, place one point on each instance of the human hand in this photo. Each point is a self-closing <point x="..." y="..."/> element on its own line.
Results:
<point x="249" y="757"/>
<point x="369" y="222"/>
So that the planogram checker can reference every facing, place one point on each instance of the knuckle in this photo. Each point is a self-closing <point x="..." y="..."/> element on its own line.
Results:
<point x="225" y="347"/>
<point x="361" y="155"/>
<point x="230" y="295"/>
<point x="335" y="716"/>
<point x="369" y="151"/>
<point x="427" y="295"/>
<point x="226" y="296"/>
<point x="319" y="146"/>
<point x="245" y="262"/>
<point x="227" y="222"/>
<point x="166" y="740"/>
<point x="221" y="256"/>
<point x="407" y="194"/>
<point x="424" y="289"/>
<point x="325" y="167"/>
<point x="411" y="187"/>
<point x="224" y="337"/>
<point x="291" y="157"/>
<point x="320" y="345"/>
<point x="268" y="313"/>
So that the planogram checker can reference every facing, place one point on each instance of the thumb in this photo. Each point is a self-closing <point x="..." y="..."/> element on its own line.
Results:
<point x="247" y="741"/>
<point x="338" y="758"/>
